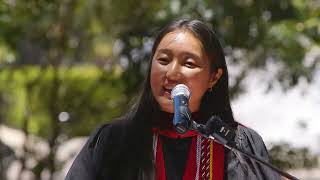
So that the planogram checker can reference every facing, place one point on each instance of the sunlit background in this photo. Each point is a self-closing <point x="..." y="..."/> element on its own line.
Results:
<point x="67" y="66"/>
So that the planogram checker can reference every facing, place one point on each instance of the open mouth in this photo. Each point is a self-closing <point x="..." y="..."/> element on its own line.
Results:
<point x="166" y="90"/>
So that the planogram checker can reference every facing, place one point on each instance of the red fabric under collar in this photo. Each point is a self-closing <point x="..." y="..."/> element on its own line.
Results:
<point x="190" y="171"/>
<point x="173" y="134"/>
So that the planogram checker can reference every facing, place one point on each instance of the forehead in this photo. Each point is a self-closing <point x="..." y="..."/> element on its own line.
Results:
<point x="181" y="40"/>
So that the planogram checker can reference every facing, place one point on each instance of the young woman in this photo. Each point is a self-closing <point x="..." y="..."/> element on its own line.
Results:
<point x="143" y="144"/>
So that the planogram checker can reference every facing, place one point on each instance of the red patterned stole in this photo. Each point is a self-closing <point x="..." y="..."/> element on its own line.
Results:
<point x="205" y="160"/>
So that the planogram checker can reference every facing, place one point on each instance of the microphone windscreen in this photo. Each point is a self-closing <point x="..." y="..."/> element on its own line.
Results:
<point x="213" y="124"/>
<point x="220" y="130"/>
<point x="180" y="89"/>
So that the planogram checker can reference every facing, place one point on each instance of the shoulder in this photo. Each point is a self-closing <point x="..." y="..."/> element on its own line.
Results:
<point x="250" y="141"/>
<point x="107" y="134"/>
<point x="103" y="140"/>
<point x="107" y="138"/>
<point x="246" y="132"/>
<point x="241" y="167"/>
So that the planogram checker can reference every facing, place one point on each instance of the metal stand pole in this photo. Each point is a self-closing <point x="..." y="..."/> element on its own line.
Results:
<point x="214" y="136"/>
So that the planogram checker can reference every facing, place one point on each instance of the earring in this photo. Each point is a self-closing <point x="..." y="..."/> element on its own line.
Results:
<point x="210" y="89"/>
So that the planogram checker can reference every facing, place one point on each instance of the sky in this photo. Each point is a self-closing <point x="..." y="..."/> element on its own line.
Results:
<point x="289" y="116"/>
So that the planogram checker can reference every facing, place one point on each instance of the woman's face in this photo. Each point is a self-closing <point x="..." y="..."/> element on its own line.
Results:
<point x="181" y="59"/>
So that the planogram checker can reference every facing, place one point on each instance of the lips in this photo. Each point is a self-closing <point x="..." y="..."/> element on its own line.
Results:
<point x="167" y="90"/>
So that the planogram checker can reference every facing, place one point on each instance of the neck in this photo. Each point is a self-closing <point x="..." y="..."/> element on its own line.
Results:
<point x="163" y="120"/>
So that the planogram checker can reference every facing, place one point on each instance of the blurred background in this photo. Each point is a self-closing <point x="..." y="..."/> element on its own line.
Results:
<point x="67" y="66"/>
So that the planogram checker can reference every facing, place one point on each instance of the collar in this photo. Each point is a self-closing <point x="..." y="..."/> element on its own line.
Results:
<point x="173" y="134"/>
<point x="163" y="125"/>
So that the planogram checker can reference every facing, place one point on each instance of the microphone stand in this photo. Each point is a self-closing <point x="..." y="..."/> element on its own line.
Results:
<point x="219" y="139"/>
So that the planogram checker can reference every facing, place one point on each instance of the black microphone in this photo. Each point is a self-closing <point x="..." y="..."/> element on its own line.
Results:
<point x="218" y="129"/>
<point x="182" y="116"/>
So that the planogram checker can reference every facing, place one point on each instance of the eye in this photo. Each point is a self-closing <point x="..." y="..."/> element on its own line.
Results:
<point x="163" y="60"/>
<point x="189" y="63"/>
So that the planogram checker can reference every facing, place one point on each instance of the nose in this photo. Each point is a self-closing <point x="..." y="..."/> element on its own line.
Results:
<point x="174" y="71"/>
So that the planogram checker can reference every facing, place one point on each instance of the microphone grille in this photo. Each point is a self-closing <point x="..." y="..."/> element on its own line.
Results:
<point x="180" y="89"/>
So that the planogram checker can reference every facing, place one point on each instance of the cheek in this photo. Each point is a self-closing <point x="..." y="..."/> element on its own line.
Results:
<point x="198" y="86"/>
<point x="198" y="91"/>
<point x="155" y="77"/>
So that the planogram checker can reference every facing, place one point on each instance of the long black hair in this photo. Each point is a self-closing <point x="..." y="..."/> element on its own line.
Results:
<point x="215" y="102"/>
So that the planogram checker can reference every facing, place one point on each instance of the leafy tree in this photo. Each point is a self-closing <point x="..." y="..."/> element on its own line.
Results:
<point x="68" y="65"/>
<point x="288" y="157"/>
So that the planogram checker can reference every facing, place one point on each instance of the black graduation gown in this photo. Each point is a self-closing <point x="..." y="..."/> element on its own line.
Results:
<point x="107" y="147"/>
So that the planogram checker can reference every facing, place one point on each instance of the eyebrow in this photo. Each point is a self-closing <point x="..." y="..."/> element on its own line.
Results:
<point x="168" y="51"/>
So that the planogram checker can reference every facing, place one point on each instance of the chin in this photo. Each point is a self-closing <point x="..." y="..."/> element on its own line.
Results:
<point x="166" y="105"/>
<point x="166" y="110"/>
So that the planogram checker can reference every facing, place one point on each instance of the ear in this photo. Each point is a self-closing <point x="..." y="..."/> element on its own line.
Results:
<point x="215" y="76"/>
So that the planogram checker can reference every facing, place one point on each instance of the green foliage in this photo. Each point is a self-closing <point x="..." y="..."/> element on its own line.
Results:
<point x="88" y="30"/>
<point x="88" y="58"/>
<point x="287" y="157"/>
<point x="88" y="94"/>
